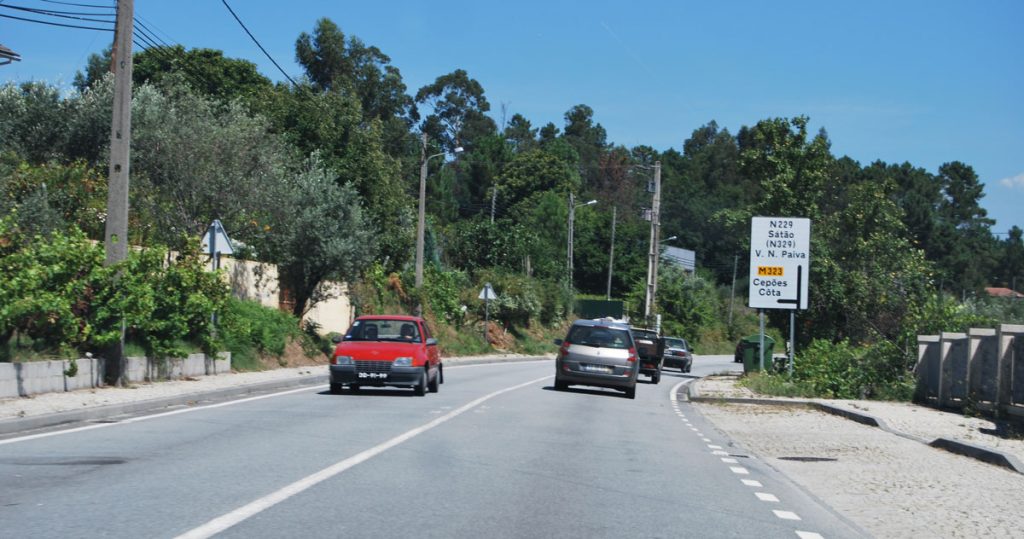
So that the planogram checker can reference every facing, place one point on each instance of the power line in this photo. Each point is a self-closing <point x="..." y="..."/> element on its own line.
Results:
<point x="240" y="23"/>
<point x="77" y="5"/>
<point x="62" y="14"/>
<point x="56" y="23"/>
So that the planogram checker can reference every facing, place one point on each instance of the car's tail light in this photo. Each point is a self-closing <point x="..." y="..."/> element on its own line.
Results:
<point x="564" y="350"/>
<point x="632" y="355"/>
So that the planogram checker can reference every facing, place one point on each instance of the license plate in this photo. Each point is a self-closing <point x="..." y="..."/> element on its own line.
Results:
<point x="597" y="368"/>
<point x="373" y="375"/>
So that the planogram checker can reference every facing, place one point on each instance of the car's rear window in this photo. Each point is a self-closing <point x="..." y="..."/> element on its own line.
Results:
<point x="383" y="330"/>
<point x="675" y="343"/>
<point x="599" y="336"/>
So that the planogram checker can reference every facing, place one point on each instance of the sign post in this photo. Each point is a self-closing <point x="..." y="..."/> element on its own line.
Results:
<point x="487" y="294"/>
<point x="780" y="264"/>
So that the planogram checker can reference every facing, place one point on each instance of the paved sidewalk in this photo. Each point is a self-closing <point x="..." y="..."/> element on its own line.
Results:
<point x="886" y="479"/>
<point x="50" y="409"/>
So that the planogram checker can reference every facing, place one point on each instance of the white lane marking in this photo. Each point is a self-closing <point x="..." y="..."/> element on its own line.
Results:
<point x="739" y="470"/>
<point x="786" y="515"/>
<point x="809" y="535"/>
<point x="719" y="452"/>
<point x="708" y="440"/>
<point x="155" y="416"/>
<point x="730" y="461"/>
<point x="752" y="483"/>
<point x="711" y="446"/>
<point x="675" y="388"/>
<point x="232" y="518"/>
<point x="765" y="497"/>
<point x="694" y="429"/>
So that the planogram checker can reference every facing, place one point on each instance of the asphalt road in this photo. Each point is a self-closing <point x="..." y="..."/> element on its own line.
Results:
<point x="496" y="453"/>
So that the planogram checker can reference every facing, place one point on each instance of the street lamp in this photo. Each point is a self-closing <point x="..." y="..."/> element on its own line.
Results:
<point x="670" y="238"/>
<point x="421" y="224"/>
<point x="572" y="217"/>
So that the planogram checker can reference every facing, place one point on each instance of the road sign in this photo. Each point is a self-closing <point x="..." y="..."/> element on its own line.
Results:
<point x="780" y="262"/>
<point x="216" y="239"/>
<point x="487" y="293"/>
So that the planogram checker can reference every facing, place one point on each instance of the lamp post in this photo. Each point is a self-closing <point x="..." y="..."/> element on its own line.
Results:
<point x="421" y="223"/>
<point x="572" y="218"/>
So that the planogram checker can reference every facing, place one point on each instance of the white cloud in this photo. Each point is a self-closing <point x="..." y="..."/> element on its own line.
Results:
<point x="1014" y="182"/>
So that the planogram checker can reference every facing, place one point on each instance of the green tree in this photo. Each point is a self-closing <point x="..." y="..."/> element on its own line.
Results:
<point x="458" y="110"/>
<point x="318" y="232"/>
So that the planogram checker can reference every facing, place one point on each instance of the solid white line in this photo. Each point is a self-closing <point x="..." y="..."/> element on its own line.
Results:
<point x="765" y="497"/>
<point x="675" y="388"/>
<point x="232" y="518"/>
<point x="809" y="535"/>
<point x="457" y="366"/>
<point x="155" y="416"/>
<point x="739" y="470"/>
<point x="752" y="483"/>
<point x="786" y="515"/>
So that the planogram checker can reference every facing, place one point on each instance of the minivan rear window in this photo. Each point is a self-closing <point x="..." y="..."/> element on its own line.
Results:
<point x="599" y="336"/>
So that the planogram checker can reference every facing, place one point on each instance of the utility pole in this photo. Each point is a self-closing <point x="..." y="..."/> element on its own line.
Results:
<point x="572" y="211"/>
<point x="732" y="295"/>
<point x="611" y="255"/>
<point x="115" y="237"/>
<point x="421" y="223"/>
<point x="652" y="255"/>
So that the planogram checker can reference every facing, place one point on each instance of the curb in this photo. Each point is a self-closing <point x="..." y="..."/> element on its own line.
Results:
<point x="11" y="426"/>
<point x="977" y="452"/>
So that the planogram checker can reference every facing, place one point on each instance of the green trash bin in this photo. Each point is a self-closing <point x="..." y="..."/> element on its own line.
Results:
<point x="749" y="347"/>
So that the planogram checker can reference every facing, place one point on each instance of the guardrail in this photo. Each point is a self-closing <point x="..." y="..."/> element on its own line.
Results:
<point x="36" y="377"/>
<point x="981" y="369"/>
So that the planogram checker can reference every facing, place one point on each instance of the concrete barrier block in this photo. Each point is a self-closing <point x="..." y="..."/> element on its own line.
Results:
<point x="9" y="384"/>
<point x="1011" y="365"/>
<point x="953" y="369"/>
<point x="983" y="365"/>
<point x="927" y="368"/>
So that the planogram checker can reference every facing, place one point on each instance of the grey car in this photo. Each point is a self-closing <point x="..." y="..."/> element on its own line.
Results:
<point x="597" y="353"/>
<point x="678" y="354"/>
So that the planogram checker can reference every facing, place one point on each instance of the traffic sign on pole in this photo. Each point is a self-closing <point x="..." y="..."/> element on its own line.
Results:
<point x="780" y="262"/>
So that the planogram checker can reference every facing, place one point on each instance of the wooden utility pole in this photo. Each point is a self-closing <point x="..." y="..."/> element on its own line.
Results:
<point x="652" y="255"/>
<point x="116" y="233"/>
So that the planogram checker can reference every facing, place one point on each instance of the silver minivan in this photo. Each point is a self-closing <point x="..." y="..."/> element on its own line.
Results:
<point x="597" y="353"/>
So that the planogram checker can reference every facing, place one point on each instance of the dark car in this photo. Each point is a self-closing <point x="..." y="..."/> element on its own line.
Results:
<point x="387" y="350"/>
<point x="597" y="353"/>
<point x="677" y="354"/>
<point x="649" y="348"/>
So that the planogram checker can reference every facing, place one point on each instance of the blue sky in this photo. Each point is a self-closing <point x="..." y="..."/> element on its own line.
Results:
<point x="921" y="81"/>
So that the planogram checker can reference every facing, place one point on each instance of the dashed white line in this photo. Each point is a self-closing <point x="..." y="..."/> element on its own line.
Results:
<point x="712" y="446"/>
<point x="739" y="470"/>
<point x="752" y="483"/>
<point x="786" y="515"/>
<point x="706" y="439"/>
<point x="765" y="497"/>
<point x="730" y="461"/>
<point x="808" y="535"/>
<point x="719" y="452"/>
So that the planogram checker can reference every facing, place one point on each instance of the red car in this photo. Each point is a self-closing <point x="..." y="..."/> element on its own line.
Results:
<point x="387" y="350"/>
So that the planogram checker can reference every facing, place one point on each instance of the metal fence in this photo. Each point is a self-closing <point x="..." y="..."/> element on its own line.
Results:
<point x="981" y="369"/>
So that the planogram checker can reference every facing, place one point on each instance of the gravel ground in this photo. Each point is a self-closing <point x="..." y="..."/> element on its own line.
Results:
<point x="889" y="485"/>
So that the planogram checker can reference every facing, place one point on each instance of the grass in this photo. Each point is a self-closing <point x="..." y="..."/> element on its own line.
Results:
<point x="776" y="386"/>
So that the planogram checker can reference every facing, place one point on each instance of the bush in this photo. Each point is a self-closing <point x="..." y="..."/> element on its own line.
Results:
<point x="844" y="371"/>
<point x="249" y="329"/>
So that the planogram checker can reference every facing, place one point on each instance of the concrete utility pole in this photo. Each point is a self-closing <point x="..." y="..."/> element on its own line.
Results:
<point x="572" y="214"/>
<point x="611" y="255"/>
<point x="115" y="236"/>
<point x="652" y="255"/>
<point x="421" y="222"/>
<point x="116" y="233"/>
<point x="494" y="200"/>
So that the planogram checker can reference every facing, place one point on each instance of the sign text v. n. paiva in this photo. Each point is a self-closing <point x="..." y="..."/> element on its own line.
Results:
<point x="779" y="262"/>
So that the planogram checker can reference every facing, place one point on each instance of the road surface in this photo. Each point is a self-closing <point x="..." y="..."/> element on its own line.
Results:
<point x="497" y="453"/>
